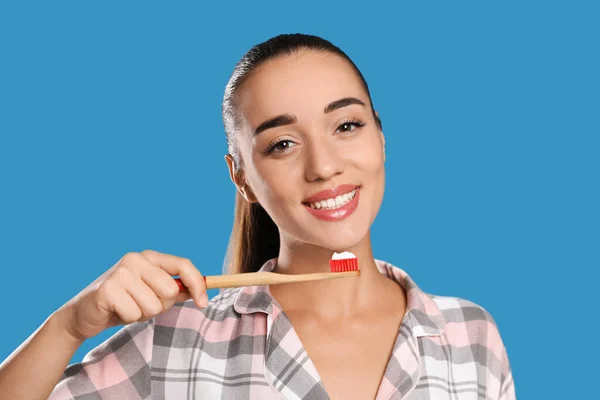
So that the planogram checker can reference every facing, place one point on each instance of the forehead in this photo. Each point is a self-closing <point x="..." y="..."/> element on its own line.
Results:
<point x="300" y="84"/>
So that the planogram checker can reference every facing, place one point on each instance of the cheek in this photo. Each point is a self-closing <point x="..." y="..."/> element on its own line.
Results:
<point x="276" y="185"/>
<point x="368" y="155"/>
<point x="279" y="196"/>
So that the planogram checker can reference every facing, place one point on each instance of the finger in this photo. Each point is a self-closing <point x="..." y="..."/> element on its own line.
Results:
<point x="164" y="286"/>
<point x="188" y="273"/>
<point x="115" y="299"/>
<point x="145" y="266"/>
<point x="160" y="282"/>
<point x="126" y="308"/>
<point x="144" y="296"/>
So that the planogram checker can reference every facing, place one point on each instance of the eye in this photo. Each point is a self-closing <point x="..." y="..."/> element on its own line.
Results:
<point x="350" y="125"/>
<point x="279" y="146"/>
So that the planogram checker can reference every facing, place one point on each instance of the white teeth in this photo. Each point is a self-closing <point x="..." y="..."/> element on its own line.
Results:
<point x="336" y="202"/>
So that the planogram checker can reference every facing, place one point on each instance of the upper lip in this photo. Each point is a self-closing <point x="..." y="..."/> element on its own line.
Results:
<point x="331" y="193"/>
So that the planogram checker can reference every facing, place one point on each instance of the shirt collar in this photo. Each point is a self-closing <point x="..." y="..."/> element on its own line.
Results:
<point x="422" y="314"/>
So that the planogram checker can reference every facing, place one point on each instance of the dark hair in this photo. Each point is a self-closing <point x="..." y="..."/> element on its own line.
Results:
<point x="255" y="237"/>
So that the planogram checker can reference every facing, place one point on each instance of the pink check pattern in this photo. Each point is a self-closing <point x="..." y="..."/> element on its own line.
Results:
<point x="243" y="346"/>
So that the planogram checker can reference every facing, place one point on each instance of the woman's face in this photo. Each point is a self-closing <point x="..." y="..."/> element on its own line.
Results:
<point x="311" y="149"/>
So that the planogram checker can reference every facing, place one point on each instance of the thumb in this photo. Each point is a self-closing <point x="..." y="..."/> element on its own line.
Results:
<point x="183" y="296"/>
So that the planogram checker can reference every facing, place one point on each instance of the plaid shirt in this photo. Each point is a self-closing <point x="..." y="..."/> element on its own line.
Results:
<point x="242" y="346"/>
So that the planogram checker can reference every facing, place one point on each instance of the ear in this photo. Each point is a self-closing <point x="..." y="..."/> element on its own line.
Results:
<point x="383" y="144"/>
<point x="239" y="180"/>
<point x="382" y="137"/>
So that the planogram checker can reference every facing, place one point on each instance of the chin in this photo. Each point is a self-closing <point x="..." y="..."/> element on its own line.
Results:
<point x="341" y="241"/>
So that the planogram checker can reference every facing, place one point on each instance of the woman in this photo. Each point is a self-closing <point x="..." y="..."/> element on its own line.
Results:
<point x="301" y="129"/>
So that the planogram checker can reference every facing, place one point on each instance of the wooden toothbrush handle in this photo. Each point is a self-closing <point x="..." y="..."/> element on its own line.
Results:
<point x="265" y="278"/>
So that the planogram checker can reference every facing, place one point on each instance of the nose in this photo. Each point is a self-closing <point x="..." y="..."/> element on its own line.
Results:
<point x="323" y="161"/>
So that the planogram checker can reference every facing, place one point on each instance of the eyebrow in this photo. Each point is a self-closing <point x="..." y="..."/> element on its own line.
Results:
<point x="287" y="119"/>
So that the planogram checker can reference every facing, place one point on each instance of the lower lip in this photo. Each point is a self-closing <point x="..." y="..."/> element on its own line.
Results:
<point x="336" y="214"/>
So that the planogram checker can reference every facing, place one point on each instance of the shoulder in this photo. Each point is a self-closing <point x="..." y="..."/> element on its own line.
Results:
<point x="467" y="322"/>
<point x="472" y="316"/>
<point x="456" y="309"/>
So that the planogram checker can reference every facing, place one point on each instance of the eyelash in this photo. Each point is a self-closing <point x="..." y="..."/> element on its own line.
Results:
<point x="358" y="123"/>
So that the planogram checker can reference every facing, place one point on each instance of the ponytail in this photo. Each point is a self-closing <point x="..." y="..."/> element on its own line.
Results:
<point x="254" y="238"/>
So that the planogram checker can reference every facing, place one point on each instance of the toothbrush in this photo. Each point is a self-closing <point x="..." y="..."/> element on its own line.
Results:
<point x="342" y="265"/>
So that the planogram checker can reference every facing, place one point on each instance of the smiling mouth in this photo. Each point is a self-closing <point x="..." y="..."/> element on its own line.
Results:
<point x="334" y="202"/>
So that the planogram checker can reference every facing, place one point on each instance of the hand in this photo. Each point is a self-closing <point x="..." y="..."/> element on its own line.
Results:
<point x="138" y="287"/>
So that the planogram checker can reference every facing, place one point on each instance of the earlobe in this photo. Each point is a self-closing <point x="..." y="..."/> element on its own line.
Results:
<point x="248" y="193"/>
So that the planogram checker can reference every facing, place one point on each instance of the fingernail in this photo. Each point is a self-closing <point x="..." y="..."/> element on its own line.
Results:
<point x="204" y="300"/>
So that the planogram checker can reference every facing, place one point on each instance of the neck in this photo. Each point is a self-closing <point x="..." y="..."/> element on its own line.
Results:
<point x="329" y="299"/>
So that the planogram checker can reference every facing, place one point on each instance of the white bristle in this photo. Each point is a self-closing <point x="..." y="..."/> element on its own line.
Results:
<point x="342" y="256"/>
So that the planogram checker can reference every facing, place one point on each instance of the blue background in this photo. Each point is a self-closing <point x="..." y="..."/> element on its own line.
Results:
<point x="112" y="141"/>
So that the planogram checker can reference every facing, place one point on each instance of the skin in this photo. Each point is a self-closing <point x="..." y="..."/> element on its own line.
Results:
<point x="336" y="320"/>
